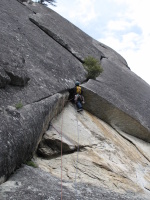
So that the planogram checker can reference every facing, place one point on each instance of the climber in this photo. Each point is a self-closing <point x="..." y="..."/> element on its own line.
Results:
<point x="78" y="97"/>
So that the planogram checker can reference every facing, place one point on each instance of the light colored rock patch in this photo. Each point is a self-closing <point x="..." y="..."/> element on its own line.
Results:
<point x="70" y="123"/>
<point x="142" y="146"/>
<point x="10" y="186"/>
<point x="89" y="171"/>
<point x="105" y="157"/>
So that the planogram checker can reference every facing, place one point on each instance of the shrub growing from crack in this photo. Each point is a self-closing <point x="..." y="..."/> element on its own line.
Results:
<point x="93" y="67"/>
<point x="19" y="105"/>
<point x="31" y="164"/>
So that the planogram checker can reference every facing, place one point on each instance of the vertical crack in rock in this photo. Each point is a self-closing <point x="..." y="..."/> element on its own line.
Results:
<point x="57" y="39"/>
<point x="129" y="140"/>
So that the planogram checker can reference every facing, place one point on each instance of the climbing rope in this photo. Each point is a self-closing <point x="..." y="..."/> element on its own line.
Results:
<point x="61" y="134"/>
<point x="62" y="142"/>
<point x="76" y="173"/>
<point x="62" y="145"/>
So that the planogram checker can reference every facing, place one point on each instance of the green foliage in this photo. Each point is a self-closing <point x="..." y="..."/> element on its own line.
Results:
<point x="19" y="105"/>
<point x="93" y="67"/>
<point x="31" y="164"/>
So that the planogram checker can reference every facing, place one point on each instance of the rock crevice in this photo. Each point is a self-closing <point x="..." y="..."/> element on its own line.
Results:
<point x="57" y="38"/>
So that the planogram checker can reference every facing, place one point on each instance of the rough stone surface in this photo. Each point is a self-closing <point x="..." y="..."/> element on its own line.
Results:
<point x="105" y="158"/>
<point x="50" y="66"/>
<point x="18" y="77"/>
<point x="66" y="126"/>
<point x="24" y="130"/>
<point x="110" y="54"/>
<point x="50" y="144"/>
<point x="120" y="98"/>
<point x="39" y="44"/>
<point x="126" y="95"/>
<point x="142" y="146"/>
<point x="4" y="78"/>
<point x="79" y="44"/>
<point x="30" y="183"/>
<point x="16" y="70"/>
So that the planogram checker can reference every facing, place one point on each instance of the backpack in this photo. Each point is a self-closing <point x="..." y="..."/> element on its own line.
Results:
<point x="78" y="90"/>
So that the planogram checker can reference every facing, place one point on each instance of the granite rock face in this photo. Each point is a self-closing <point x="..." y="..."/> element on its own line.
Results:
<point x="103" y="158"/>
<point x="50" y="67"/>
<point x="41" y="56"/>
<point x="4" y="78"/>
<point x="25" y="127"/>
<point x="72" y="38"/>
<point x="108" y="166"/>
<point x="126" y="95"/>
<point x="25" y="184"/>
<point x="120" y="98"/>
<point x="50" y="144"/>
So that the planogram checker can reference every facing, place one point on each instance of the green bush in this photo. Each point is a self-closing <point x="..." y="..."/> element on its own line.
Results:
<point x="19" y="105"/>
<point x="93" y="67"/>
<point x="31" y="164"/>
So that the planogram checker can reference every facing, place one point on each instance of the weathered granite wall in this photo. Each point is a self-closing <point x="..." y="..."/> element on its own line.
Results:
<point x="119" y="163"/>
<point x="41" y="56"/>
<point x="22" y="129"/>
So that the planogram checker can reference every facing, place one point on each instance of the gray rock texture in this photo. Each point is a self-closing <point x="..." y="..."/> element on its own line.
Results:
<point x="126" y="95"/>
<point x="41" y="56"/>
<point x="120" y="98"/>
<point x="28" y="52"/>
<point x="104" y="158"/>
<point x="18" y="77"/>
<point x="70" y="37"/>
<point x="50" y="145"/>
<point x="4" y="78"/>
<point x="30" y="183"/>
<point x="16" y="70"/>
<point x="25" y="127"/>
<point x="50" y="67"/>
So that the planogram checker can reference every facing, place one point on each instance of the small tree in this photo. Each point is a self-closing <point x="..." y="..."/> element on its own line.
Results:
<point x="93" y="67"/>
